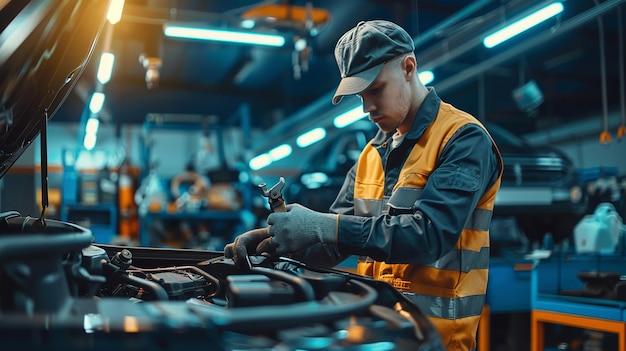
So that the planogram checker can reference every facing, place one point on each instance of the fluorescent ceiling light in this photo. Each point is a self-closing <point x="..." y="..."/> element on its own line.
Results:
<point x="350" y="117"/>
<point x="280" y="152"/>
<point x="314" y="180"/>
<point x="96" y="102"/>
<point x="114" y="13"/>
<point x="248" y="24"/>
<point x="105" y="68"/>
<point x="187" y="32"/>
<point x="90" y="141"/>
<point x="260" y="161"/>
<point x="311" y="137"/>
<point x="426" y="77"/>
<point x="523" y="24"/>
<point x="92" y="126"/>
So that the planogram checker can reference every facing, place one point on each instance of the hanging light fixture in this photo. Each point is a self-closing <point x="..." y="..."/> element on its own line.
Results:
<point x="522" y="24"/>
<point x="222" y="35"/>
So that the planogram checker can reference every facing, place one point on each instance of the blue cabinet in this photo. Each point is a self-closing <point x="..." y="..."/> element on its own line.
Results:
<point x="101" y="219"/>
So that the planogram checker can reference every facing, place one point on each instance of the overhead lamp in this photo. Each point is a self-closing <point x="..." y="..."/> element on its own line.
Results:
<point x="523" y="24"/>
<point x="96" y="102"/>
<point x="426" y="77"/>
<point x="92" y="126"/>
<point x="260" y="161"/>
<point x="91" y="133"/>
<point x="349" y="117"/>
<point x="280" y="152"/>
<point x="314" y="180"/>
<point x="105" y="68"/>
<point x="114" y="13"/>
<point x="189" y="32"/>
<point x="311" y="137"/>
<point x="90" y="141"/>
<point x="248" y="24"/>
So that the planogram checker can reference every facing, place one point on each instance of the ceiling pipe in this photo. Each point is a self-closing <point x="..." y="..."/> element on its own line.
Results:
<point x="572" y="131"/>
<point x="160" y="15"/>
<point x="449" y="21"/>
<point x="564" y="27"/>
<point x="303" y="120"/>
<point x="455" y="46"/>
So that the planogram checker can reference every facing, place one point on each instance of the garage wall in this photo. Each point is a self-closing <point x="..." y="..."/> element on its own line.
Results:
<point x="590" y="153"/>
<point x="171" y="149"/>
<point x="581" y="141"/>
<point x="174" y="148"/>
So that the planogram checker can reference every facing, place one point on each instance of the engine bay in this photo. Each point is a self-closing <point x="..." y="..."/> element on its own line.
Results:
<point x="60" y="289"/>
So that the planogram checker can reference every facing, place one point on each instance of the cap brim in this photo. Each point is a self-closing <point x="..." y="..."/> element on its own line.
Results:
<point x="356" y="83"/>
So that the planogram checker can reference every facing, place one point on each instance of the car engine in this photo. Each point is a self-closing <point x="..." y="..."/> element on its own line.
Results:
<point x="58" y="289"/>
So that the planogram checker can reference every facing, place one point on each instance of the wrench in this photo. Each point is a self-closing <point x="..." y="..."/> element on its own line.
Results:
<point x="274" y="195"/>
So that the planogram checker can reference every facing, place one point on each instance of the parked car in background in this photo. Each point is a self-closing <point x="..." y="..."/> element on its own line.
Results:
<point x="540" y="191"/>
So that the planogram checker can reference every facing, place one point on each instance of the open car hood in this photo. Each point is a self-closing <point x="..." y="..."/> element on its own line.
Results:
<point x="44" y="48"/>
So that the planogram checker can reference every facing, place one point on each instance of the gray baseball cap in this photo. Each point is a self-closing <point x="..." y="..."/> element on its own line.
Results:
<point x="363" y="50"/>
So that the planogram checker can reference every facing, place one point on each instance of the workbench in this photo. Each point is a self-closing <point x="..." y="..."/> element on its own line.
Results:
<point x="508" y="292"/>
<point x="553" y="303"/>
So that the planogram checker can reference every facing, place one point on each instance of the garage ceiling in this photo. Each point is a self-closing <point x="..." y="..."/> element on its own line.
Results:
<point x="225" y="81"/>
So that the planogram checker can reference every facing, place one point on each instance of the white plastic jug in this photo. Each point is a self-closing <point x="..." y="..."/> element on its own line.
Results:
<point x="599" y="232"/>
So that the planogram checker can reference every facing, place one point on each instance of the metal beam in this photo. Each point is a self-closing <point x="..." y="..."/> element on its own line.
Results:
<point x="450" y="21"/>
<point x="564" y="27"/>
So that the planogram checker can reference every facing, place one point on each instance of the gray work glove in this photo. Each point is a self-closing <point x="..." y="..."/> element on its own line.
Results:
<point x="297" y="229"/>
<point x="246" y="244"/>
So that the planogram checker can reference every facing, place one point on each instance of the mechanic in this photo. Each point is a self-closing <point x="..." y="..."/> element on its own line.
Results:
<point x="417" y="205"/>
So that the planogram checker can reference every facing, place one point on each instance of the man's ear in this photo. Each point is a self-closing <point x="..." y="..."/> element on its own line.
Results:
<point x="409" y="66"/>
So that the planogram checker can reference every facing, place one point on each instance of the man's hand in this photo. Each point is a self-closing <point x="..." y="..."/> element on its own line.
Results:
<point x="297" y="229"/>
<point x="246" y="244"/>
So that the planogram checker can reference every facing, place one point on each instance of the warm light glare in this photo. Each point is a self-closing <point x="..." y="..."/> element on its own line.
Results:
<point x="223" y="35"/>
<point x="92" y="126"/>
<point x="523" y="24"/>
<point x="131" y="324"/>
<point x="311" y="137"/>
<point x="96" y="103"/>
<point x="105" y="69"/>
<point x="426" y="77"/>
<point x="350" y="117"/>
<point x="280" y="152"/>
<point x="114" y="14"/>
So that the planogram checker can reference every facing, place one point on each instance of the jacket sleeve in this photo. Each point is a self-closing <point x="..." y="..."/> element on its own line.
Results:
<point x="467" y="166"/>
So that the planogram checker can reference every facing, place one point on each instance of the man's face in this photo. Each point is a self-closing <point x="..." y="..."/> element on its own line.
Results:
<point x="388" y="99"/>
